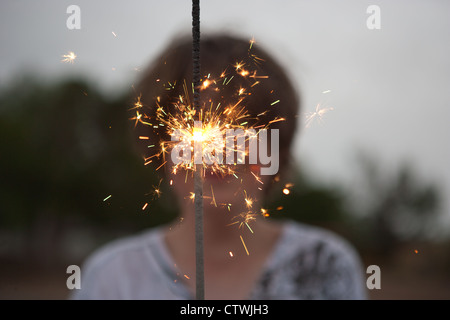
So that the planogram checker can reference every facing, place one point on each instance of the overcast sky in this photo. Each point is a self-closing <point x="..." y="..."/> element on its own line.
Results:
<point x="389" y="88"/>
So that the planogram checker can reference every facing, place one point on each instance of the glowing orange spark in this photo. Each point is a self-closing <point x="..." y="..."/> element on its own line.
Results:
<point x="244" y="73"/>
<point x="206" y="84"/>
<point x="245" y="247"/>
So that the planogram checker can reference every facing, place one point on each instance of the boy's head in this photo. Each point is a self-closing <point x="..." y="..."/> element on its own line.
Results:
<point x="246" y="75"/>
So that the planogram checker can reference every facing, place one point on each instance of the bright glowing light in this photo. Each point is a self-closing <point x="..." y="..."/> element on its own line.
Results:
<point x="198" y="135"/>
<point x="69" y="57"/>
<point x="177" y="121"/>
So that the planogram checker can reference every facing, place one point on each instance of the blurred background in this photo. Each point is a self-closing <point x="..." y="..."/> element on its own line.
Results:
<point x="373" y="165"/>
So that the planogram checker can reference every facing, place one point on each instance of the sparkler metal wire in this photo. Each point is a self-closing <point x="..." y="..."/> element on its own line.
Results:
<point x="198" y="179"/>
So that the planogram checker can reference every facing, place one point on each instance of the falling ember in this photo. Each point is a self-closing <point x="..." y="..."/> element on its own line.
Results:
<point x="213" y="197"/>
<point x="248" y="202"/>
<point x="275" y="102"/>
<point x="252" y="41"/>
<point x="317" y="115"/>
<point x="244" y="73"/>
<point x="206" y="84"/>
<point x="288" y="185"/>
<point x="69" y="57"/>
<point x="416" y="251"/>
<point x="244" y="218"/>
<point x="145" y="206"/>
<point x="245" y="247"/>
<point x="286" y="191"/>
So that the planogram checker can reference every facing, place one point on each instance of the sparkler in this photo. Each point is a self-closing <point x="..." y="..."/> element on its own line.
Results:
<point x="201" y="129"/>
<point x="198" y="179"/>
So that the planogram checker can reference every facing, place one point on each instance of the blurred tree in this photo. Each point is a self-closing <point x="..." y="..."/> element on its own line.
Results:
<point x="399" y="207"/>
<point x="308" y="202"/>
<point x="65" y="148"/>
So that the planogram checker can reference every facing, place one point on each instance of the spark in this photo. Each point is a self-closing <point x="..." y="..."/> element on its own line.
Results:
<point x="244" y="218"/>
<point x="317" y="115"/>
<point x="286" y="188"/>
<point x="145" y="206"/>
<point x="244" y="73"/>
<point x="245" y="247"/>
<point x="213" y="197"/>
<point x="239" y="65"/>
<point x="69" y="57"/>
<point x="256" y="177"/>
<point x="289" y="185"/>
<point x="137" y="118"/>
<point x="248" y="202"/>
<point x="114" y="34"/>
<point x="138" y="103"/>
<point x="275" y="102"/>
<point x="252" y="41"/>
<point x="107" y="198"/>
<point x="206" y="84"/>
<point x="157" y="190"/>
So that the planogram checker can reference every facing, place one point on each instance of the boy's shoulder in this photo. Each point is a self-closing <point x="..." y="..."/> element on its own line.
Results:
<point x="122" y="248"/>
<point x="302" y="236"/>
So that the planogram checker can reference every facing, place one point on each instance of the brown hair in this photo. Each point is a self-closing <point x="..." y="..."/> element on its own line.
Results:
<point x="173" y="67"/>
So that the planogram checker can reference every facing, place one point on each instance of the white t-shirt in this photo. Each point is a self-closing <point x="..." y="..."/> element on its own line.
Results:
<point x="306" y="263"/>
